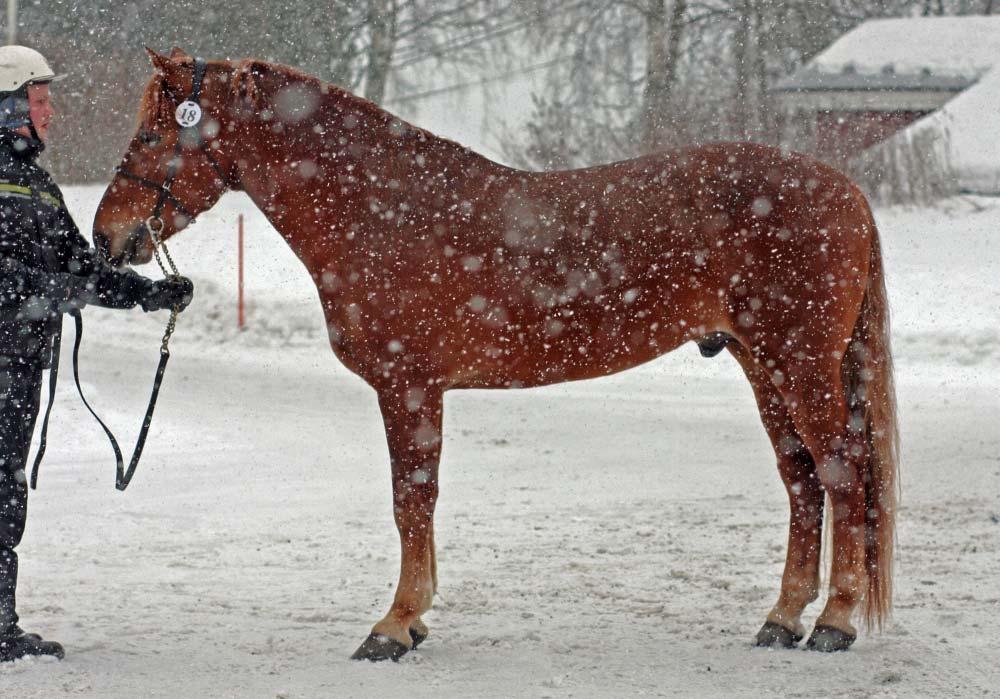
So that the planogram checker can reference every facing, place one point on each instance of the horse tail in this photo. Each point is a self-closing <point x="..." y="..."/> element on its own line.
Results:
<point x="871" y="394"/>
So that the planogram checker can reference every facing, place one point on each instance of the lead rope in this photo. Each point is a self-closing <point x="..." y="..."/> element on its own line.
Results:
<point x="122" y="477"/>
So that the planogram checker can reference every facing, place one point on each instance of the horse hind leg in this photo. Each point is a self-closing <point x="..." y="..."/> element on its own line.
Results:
<point x="817" y="403"/>
<point x="800" y="580"/>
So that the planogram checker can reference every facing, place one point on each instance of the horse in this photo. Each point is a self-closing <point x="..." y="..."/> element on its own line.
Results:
<point x="438" y="269"/>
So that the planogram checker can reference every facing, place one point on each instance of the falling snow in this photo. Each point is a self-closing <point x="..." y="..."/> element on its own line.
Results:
<point x="256" y="543"/>
<point x="616" y="537"/>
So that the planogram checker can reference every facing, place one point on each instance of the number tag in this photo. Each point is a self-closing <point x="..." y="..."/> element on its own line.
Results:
<point x="188" y="114"/>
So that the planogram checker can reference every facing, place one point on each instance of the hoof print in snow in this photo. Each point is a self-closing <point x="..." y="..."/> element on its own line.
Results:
<point x="772" y="635"/>
<point x="829" y="639"/>
<point x="416" y="637"/>
<point x="378" y="647"/>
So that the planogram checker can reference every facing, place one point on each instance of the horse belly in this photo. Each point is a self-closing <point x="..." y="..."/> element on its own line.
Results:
<point x="574" y="343"/>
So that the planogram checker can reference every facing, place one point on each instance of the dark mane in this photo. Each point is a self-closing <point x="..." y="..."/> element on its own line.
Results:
<point x="334" y="95"/>
<point x="158" y="102"/>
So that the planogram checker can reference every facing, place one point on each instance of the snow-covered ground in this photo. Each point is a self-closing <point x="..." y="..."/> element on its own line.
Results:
<point x="613" y="538"/>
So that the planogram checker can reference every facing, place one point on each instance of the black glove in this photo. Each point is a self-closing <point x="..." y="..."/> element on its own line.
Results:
<point x="173" y="292"/>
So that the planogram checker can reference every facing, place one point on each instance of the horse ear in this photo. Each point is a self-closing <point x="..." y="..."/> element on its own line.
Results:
<point x="163" y="64"/>
<point x="177" y="52"/>
<point x="159" y="62"/>
<point x="247" y="82"/>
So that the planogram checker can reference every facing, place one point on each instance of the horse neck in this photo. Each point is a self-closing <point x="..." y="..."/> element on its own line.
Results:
<point x="369" y="154"/>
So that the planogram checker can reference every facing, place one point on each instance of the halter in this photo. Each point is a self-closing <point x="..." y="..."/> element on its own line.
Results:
<point x="154" y="223"/>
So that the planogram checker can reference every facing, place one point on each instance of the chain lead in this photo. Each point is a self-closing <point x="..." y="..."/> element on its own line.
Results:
<point x="171" y="272"/>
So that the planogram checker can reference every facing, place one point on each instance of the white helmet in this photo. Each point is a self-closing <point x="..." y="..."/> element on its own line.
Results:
<point x="20" y="65"/>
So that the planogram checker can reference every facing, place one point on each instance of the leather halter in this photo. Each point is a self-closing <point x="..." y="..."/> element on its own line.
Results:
<point x="164" y="188"/>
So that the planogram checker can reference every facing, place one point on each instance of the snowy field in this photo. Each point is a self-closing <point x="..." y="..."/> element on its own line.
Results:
<point x="613" y="538"/>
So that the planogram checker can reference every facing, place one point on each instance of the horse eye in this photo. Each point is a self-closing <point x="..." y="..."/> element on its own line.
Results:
<point x="149" y="138"/>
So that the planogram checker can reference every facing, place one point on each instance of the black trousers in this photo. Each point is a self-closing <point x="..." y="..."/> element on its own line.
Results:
<point x="20" y="390"/>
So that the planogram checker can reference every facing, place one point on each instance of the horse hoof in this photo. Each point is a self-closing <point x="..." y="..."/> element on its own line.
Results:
<point x="773" y="635"/>
<point x="829" y="639"/>
<point x="416" y="637"/>
<point x="378" y="647"/>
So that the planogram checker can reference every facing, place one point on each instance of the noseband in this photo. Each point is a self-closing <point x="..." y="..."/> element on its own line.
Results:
<point x="154" y="223"/>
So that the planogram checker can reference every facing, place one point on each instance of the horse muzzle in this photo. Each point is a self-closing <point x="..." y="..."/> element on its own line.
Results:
<point x="132" y="252"/>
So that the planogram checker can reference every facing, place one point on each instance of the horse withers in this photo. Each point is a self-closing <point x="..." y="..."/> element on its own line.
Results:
<point x="438" y="269"/>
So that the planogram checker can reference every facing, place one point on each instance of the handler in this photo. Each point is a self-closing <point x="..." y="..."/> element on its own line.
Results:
<point x="46" y="269"/>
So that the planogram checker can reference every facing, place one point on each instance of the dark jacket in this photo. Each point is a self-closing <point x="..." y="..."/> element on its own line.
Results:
<point x="46" y="266"/>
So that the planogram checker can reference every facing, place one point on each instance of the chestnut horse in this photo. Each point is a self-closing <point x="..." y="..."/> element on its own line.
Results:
<point x="438" y="269"/>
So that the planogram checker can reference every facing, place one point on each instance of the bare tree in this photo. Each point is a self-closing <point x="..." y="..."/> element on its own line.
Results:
<point x="611" y="90"/>
<point x="637" y="75"/>
<point x="372" y="40"/>
<point x="361" y="45"/>
<point x="663" y="45"/>
<point x="383" y="25"/>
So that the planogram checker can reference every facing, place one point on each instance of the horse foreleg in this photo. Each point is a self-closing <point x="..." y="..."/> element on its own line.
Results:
<point x="418" y="629"/>
<point x="800" y="580"/>
<point x="412" y="419"/>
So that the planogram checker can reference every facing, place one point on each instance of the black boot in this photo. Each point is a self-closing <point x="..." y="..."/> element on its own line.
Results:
<point x="17" y="644"/>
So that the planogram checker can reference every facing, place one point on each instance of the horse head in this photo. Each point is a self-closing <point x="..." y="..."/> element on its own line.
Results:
<point x="175" y="166"/>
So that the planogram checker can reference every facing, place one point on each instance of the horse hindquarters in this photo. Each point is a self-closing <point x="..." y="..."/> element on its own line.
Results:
<point x="860" y="476"/>
<point x="840" y="399"/>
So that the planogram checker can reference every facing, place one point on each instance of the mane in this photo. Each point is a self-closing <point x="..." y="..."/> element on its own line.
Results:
<point x="331" y="94"/>
<point x="246" y="80"/>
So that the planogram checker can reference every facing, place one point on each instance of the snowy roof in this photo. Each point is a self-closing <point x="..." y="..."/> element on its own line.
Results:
<point x="811" y="78"/>
<point x="964" y="129"/>
<point x="930" y="53"/>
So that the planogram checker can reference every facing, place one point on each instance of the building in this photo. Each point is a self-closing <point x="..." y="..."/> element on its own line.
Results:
<point x="887" y="79"/>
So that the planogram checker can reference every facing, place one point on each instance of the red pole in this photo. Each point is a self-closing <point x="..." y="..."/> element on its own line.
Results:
<point x="240" y="315"/>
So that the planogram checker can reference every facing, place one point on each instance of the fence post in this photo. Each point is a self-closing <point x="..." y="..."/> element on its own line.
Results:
<point x="240" y="314"/>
